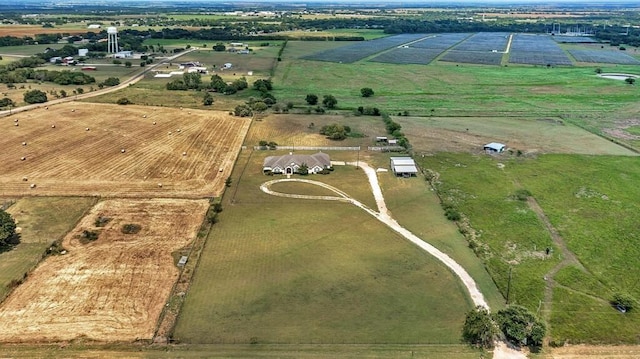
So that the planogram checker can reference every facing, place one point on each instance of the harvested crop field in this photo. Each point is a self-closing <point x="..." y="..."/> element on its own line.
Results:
<point x="112" y="288"/>
<point x="118" y="151"/>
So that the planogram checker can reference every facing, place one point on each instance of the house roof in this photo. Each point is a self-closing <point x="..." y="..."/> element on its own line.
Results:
<point x="319" y="159"/>
<point x="495" y="146"/>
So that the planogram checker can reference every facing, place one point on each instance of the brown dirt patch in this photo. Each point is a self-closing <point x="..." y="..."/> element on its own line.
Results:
<point x="110" y="289"/>
<point x="31" y="30"/>
<point x="619" y="130"/>
<point x="184" y="151"/>
<point x="592" y="351"/>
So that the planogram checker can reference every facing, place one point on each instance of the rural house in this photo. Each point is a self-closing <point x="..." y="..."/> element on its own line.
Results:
<point x="403" y="166"/>
<point x="290" y="164"/>
<point x="494" y="147"/>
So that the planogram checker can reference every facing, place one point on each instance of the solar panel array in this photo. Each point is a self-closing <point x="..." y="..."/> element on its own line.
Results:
<point x="604" y="57"/>
<point x="537" y="50"/>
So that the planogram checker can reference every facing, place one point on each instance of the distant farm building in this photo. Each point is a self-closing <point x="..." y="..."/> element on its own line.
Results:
<point x="236" y="44"/>
<point x="186" y="65"/>
<point x="382" y="139"/>
<point x="123" y="55"/>
<point x="290" y="164"/>
<point x="403" y="166"/>
<point x="197" y="69"/>
<point x="494" y="147"/>
<point x="83" y="52"/>
<point x="94" y="26"/>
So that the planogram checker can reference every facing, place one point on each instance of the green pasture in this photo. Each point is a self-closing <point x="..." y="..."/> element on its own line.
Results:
<point x="450" y="89"/>
<point x="281" y="270"/>
<point x="42" y="220"/>
<point x="527" y="134"/>
<point x="590" y="200"/>
<point x="28" y="50"/>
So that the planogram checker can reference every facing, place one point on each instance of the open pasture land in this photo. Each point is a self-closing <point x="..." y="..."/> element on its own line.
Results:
<point x="42" y="220"/>
<point x="589" y="200"/>
<point x="286" y="270"/>
<point x="469" y="134"/>
<point x="260" y="61"/>
<point x="112" y="288"/>
<point x="604" y="57"/>
<point x="450" y="90"/>
<point x="537" y="50"/>
<point x="189" y="152"/>
<point x="359" y="50"/>
<point x="32" y="30"/>
<point x="297" y="130"/>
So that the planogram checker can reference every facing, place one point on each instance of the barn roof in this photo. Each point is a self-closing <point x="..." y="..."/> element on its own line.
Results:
<point x="405" y="169"/>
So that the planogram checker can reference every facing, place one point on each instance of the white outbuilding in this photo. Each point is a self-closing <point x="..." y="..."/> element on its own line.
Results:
<point x="403" y="166"/>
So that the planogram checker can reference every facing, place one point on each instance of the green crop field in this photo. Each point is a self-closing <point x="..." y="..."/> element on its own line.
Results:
<point x="281" y="270"/>
<point x="42" y="220"/>
<point x="590" y="200"/>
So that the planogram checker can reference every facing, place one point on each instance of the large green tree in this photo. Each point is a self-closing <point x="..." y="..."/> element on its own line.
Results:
<point x="329" y="101"/>
<point x="7" y="227"/>
<point x="479" y="328"/>
<point x="520" y="326"/>
<point x="35" y="96"/>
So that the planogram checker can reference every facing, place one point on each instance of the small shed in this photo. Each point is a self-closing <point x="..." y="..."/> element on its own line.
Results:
<point x="83" y="52"/>
<point x="182" y="261"/>
<point x="403" y="166"/>
<point x="382" y="139"/>
<point x="494" y="147"/>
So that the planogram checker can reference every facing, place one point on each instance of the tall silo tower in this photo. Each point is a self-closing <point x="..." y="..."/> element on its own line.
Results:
<point x="112" y="36"/>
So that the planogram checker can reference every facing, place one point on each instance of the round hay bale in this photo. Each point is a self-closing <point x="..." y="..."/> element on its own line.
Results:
<point x="189" y="112"/>
<point x="144" y="116"/>
<point x="18" y="230"/>
<point x="184" y="153"/>
<point x="87" y="129"/>
<point x="160" y="185"/>
<point x="123" y="150"/>
<point x="25" y="178"/>
<point x="33" y="185"/>
<point x="169" y="132"/>
<point x="17" y="124"/>
<point x="46" y="108"/>
<point x="73" y="110"/>
<point x="53" y="126"/>
<point x="16" y="120"/>
<point x="22" y="158"/>
<point x="178" y="130"/>
<point x="24" y="143"/>
<point x="154" y="122"/>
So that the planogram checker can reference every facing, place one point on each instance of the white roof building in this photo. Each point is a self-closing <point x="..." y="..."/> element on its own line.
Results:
<point x="403" y="166"/>
<point x="494" y="147"/>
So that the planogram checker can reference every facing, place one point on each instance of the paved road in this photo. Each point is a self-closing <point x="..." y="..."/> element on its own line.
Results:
<point x="130" y="81"/>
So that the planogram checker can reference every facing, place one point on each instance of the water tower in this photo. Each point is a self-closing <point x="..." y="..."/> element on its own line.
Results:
<point x="112" y="36"/>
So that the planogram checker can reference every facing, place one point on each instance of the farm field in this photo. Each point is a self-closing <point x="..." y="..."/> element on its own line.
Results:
<point x="531" y="136"/>
<point x="81" y="294"/>
<point x="275" y="271"/>
<point x="183" y="152"/>
<point x="42" y="220"/>
<point x="588" y="200"/>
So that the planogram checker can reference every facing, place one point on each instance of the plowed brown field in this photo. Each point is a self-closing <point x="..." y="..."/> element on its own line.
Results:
<point x="110" y="289"/>
<point x="187" y="153"/>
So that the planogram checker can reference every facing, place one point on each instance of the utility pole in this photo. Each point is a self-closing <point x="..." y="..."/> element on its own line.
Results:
<point x="509" y="285"/>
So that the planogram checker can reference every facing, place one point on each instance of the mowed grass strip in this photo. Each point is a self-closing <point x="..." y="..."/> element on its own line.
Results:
<point x="278" y="270"/>
<point x="42" y="220"/>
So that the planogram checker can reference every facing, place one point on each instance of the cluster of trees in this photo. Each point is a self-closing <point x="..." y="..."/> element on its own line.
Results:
<point x="329" y="101"/>
<point x="515" y="323"/>
<point x="7" y="229"/>
<point x="6" y="102"/>
<point x="394" y="129"/>
<point x="335" y="131"/>
<point x="35" y="96"/>
<point x="368" y="111"/>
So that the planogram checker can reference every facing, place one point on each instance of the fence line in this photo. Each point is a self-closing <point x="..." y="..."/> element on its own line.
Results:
<point x="386" y="148"/>
<point x="309" y="148"/>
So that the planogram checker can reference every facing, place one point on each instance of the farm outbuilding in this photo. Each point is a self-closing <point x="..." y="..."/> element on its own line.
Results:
<point x="290" y="164"/>
<point x="404" y="166"/>
<point x="494" y="147"/>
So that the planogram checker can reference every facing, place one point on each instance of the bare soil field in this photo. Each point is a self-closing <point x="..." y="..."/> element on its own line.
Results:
<point x="118" y="151"/>
<point x="31" y="30"/>
<point x="112" y="288"/>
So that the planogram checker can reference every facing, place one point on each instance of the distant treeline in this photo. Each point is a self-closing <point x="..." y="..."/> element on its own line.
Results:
<point x="131" y="39"/>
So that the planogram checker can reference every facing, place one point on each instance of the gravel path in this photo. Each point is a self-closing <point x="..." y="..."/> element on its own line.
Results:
<point x="501" y="350"/>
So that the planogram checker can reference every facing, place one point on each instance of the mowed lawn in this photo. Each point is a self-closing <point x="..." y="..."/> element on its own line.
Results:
<point x="281" y="270"/>
<point x="592" y="203"/>
<point x="42" y="220"/>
